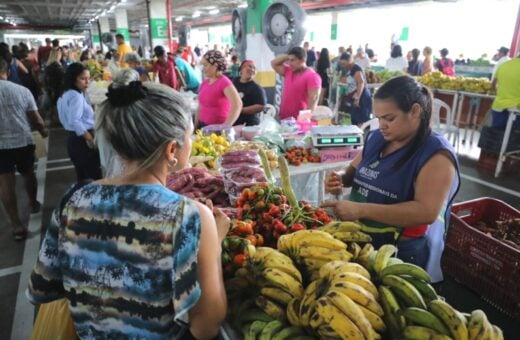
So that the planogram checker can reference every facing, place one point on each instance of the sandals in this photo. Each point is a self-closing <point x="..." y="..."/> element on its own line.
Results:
<point x="20" y="234"/>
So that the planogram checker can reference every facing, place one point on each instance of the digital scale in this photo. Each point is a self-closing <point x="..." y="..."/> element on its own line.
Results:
<point x="337" y="135"/>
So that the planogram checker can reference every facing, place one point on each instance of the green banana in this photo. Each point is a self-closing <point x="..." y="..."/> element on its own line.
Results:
<point x="421" y="317"/>
<point x="427" y="291"/>
<point x="406" y="269"/>
<point x="452" y="319"/>
<point x="303" y="337"/>
<point x="406" y="292"/>
<point x="394" y="260"/>
<point x="270" y="329"/>
<point x="252" y="315"/>
<point x="289" y="333"/>
<point x="393" y="317"/>
<point x="254" y="329"/>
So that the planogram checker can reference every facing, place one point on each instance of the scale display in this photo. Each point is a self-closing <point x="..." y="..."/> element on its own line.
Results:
<point x="330" y="141"/>
<point x="339" y="135"/>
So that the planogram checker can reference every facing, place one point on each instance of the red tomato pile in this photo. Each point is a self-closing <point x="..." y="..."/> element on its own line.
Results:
<point x="297" y="155"/>
<point x="234" y="245"/>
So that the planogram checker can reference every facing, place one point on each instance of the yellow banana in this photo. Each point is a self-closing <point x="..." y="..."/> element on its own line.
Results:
<point x="497" y="333"/>
<point x="360" y="295"/>
<point x="393" y="317"/>
<point x="352" y="236"/>
<point x="383" y="255"/>
<point x="262" y="252"/>
<point x="324" y="254"/>
<point x="479" y="326"/>
<point x="353" y="312"/>
<point x="284" y="243"/>
<point x="451" y="318"/>
<point x="271" y="308"/>
<point x="289" y="268"/>
<point x="325" y="331"/>
<point x="293" y="312"/>
<point x="307" y="304"/>
<point x="421" y="317"/>
<point x="339" y="322"/>
<point x="367" y="249"/>
<point x="405" y="291"/>
<point x="354" y="249"/>
<point x="357" y="279"/>
<point x="341" y="226"/>
<point x="308" y="235"/>
<point x="314" y="264"/>
<point x="329" y="243"/>
<point x="418" y="333"/>
<point x="280" y="279"/>
<point x="316" y="320"/>
<point x="408" y="269"/>
<point x="278" y="295"/>
<point x="375" y="320"/>
<point x="337" y="267"/>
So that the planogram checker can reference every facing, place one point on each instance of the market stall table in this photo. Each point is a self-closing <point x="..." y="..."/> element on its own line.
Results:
<point x="472" y="116"/>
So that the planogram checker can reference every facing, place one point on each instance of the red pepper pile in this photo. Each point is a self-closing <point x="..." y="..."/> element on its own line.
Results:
<point x="297" y="155"/>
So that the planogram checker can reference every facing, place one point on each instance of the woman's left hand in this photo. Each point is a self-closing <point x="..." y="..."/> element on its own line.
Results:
<point x="344" y="210"/>
<point x="356" y="101"/>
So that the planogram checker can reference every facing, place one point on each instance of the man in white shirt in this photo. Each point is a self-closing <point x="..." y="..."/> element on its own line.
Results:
<point x="18" y="111"/>
<point x="501" y="57"/>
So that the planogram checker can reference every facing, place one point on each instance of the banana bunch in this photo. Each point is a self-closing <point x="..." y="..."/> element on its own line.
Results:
<point x="346" y="231"/>
<point x="276" y="279"/>
<point x="311" y="249"/>
<point x="341" y="303"/>
<point x="273" y="330"/>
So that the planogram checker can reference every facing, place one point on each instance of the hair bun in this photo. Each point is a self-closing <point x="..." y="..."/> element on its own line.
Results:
<point x="127" y="94"/>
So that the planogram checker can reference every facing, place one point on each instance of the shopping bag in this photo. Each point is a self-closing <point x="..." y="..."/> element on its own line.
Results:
<point x="54" y="322"/>
<point x="41" y="150"/>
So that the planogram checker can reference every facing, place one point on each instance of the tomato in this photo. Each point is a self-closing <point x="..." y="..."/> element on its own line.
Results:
<point x="244" y="228"/>
<point x="296" y="227"/>
<point x="251" y="239"/>
<point x="260" y="205"/>
<point x="246" y="207"/>
<point x="239" y="259"/>
<point x="259" y="240"/>
<point x="260" y="192"/>
<point x="274" y="211"/>
<point x="280" y="228"/>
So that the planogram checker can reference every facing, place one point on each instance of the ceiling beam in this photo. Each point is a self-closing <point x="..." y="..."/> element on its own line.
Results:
<point x="51" y="5"/>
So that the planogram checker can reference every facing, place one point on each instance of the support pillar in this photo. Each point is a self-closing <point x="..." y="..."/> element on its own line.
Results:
<point x="158" y="24"/>
<point x="122" y="23"/>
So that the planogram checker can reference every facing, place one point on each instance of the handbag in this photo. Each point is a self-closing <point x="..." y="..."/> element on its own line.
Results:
<point x="40" y="149"/>
<point x="54" y="321"/>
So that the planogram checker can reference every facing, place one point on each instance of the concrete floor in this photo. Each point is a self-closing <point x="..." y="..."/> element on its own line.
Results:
<point x="56" y="174"/>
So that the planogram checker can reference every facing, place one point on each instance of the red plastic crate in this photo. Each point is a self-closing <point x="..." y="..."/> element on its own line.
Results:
<point x="484" y="264"/>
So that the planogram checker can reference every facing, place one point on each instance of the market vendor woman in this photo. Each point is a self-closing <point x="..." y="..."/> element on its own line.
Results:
<point x="405" y="179"/>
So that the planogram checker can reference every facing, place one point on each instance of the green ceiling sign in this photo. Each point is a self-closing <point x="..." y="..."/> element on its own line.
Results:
<point x="159" y="27"/>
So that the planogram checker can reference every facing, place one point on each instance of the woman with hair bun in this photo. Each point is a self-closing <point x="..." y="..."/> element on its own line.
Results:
<point x="219" y="101"/>
<point x="134" y="259"/>
<point x="404" y="181"/>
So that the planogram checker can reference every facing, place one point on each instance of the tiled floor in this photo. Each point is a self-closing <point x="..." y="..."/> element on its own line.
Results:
<point x="55" y="174"/>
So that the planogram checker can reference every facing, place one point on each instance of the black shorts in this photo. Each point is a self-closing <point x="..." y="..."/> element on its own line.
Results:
<point x="19" y="159"/>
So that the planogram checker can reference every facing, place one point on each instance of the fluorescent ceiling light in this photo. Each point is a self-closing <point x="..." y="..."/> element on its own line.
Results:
<point x="177" y="19"/>
<point x="196" y="14"/>
<point x="244" y="5"/>
<point x="1" y="18"/>
<point x="214" y="11"/>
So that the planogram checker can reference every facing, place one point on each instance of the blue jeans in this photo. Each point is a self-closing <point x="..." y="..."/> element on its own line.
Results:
<point x="500" y="119"/>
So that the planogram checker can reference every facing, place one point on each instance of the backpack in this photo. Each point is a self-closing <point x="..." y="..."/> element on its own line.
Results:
<point x="447" y="66"/>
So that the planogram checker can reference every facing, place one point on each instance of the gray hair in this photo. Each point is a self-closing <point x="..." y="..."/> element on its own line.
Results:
<point x="132" y="57"/>
<point x="124" y="77"/>
<point x="140" y="130"/>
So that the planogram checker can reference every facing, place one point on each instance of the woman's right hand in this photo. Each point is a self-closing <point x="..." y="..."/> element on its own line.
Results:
<point x="223" y="222"/>
<point x="333" y="184"/>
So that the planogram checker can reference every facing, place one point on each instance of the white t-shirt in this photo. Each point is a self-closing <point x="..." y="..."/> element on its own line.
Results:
<point x="363" y="62"/>
<point x="397" y="64"/>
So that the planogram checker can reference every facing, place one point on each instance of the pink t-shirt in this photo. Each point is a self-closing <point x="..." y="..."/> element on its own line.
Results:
<point x="214" y="105"/>
<point x="295" y="91"/>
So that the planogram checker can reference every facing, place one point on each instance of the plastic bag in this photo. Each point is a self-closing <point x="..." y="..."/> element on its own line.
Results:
<point x="236" y="180"/>
<point x="54" y="322"/>
<point x="269" y="125"/>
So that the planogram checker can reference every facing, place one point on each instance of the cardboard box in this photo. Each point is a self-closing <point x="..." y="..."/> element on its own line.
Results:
<point x="338" y="154"/>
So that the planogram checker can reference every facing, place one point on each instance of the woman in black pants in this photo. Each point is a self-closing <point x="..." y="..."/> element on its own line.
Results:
<point x="77" y="117"/>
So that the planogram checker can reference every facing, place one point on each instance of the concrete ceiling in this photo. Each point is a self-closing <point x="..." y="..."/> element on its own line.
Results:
<point x="76" y="13"/>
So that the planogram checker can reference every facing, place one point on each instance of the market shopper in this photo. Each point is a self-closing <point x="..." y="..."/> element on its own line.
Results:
<point x="404" y="181"/>
<point x="415" y="65"/>
<point x="219" y="102"/>
<point x="357" y="100"/>
<point x="501" y="57"/>
<point x="134" y="259"/>
<point x="396" y="62"/>
<point x="18" y="111"/>
<point x="506" y="83"/>
<point x="191" y="78"/>
<point x="323" y="70"/>
<point x="164" y="68"/>
<point x="77" y="117"/>
<point x="252" y="94"/>
<point x="302" y="85"/>
<point x="445" y="64"/>
<point x="122" y="49"/>
<point x="133" y="61"/>
<point x="427" y="65"/>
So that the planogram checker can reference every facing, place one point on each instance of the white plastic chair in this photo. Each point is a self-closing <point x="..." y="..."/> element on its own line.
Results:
<point x="370" y="125"/>
<point x="448" y="128"/>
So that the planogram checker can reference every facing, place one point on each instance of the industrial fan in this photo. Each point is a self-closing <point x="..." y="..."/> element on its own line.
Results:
<point x="283" y="25"/>
<point x="238" y="26"/>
